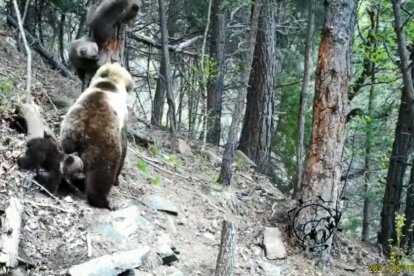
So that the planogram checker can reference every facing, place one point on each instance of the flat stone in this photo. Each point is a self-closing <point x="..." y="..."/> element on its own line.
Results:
<point x="161" y="204"/>
<point x="163" y="246"/>
<point x="123" y="224"/>
<point x="245" y="159"/>
<point x="269" y="269"/>
<point x="275" y="249"/>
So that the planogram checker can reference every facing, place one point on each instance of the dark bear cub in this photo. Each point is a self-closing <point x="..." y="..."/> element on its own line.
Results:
<point x="52" y="167"/>
<point x="42" y="153"/>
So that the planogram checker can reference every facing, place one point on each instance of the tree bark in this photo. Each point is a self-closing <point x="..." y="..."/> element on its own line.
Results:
<point x="323" y="172"/>
<point x="258" y="126"/>
<point x="402" y="145"/>
<point x="225" y="259"/>
<point x="303" y="97"/>
<point x="167" y="69"/>
<point x="215" y="81"/>
<point x="159" y="97"/>
<point x="61" y="35"/>
<point x="408" y="233"/>
<point x="228" y="156"/>
<point x="370" y="48"/>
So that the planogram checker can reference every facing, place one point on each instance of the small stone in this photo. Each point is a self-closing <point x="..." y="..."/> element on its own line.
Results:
<point x="269" y="269"/>
<point x="161" y="204"/>
<point x="275" y="249"/>
<point x="68" y="199"/>
<point x="209" y="236"/>
<point x="173" y="271"/>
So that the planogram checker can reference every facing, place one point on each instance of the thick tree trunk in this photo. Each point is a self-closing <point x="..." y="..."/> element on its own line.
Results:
<point x="225" y="259"/>
<point x="408" y="233"/>
<point x="258" y="126"/>
<point x="159" y="97"/>
<point x="167" y="68"/>
<point x="323" y="172"/>
<point x="303" y="97"/>
<point x="215" y="82"/>
<point x="228" y="156"/>
<point x="402" y="142"/>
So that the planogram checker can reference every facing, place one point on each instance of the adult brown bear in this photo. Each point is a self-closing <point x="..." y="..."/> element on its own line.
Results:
<point x="94" y="128"/>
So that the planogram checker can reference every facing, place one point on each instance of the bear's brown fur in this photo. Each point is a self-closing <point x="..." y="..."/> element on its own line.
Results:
<point x="104" y="18"/>
<point x="84" y="56"/>
<point x="93" y="127"/>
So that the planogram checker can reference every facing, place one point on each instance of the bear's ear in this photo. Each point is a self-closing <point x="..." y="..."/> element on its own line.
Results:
<point x="129" y="86"/>
<point x="69" y="160"/>
<point x="104" y="73"/>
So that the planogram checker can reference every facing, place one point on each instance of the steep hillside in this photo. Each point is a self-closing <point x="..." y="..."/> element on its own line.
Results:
<point x="167" y="201"/>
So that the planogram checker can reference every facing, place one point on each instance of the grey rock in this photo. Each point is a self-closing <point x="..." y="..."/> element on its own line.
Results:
<point x="269" y="269"/>
<point x="123" y="224"/>
<point x="275" y="249"/>
<point x="163" y="246"/>
<point x="184" y="148"/>
<point x="161" y="204"/>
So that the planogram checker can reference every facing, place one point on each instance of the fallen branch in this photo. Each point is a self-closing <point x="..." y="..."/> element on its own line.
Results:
<point x="41" y="187"/>
<point x="225" y="259"/>
<point x="30" y="112"/>
<point x="175" y="49"/>
<point x="36" y="204"/>
<point x="10" y="234"/>
<point x="152" y="163"/>
<point x="42" y="50"/>
<point x="111" y="264"/>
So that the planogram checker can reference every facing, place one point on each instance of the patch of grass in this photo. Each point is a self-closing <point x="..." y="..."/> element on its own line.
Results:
<point x="154" y="150"/>
<point x="174" y="161"/>
<point x="156" y="180"/>
<point x="142" y="166"/>
<point x="5" y="87"/>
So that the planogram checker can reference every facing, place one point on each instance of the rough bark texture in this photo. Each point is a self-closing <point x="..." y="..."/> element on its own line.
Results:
<point x="215" y="82"/>
<point x="402" y="142"/>
<point x="167" y="68"/>
<point x="303" y="97"/>
<point x="159" y="97"/>
<point x="258" y="126"/>
<point x="225" y="259"/>
<point x="323" y="171"/>
<point x="228" y="156"/>
<point x="408" y="233"/>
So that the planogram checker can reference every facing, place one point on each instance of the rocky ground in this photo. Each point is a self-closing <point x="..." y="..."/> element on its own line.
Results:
<point x="168" y="206"/>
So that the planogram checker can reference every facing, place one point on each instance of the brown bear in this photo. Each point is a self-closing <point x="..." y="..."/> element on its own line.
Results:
<point x="94" y="127"/>
<point x="83" y="54"/>
<point x="103" y="19"/>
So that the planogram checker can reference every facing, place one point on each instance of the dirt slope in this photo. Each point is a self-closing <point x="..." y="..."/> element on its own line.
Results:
<point x="59" y="232"/>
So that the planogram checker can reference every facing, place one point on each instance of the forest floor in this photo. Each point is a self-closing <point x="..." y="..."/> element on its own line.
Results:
<point x="59" y="232"/>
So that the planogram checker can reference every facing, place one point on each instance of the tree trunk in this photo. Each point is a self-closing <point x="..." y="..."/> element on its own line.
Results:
<point x="258" y="127"/>
<point x="228" y="156"/>
<point x="323" y="172"/>
<point x="370" y="48"/>
<point x="402" y="142"/>
<point x="408" y="233"/>
<point x="225" y="259"/>
<point x="303" y="97"/>
<point x="159" y="97"/>
<point x="61" y="35"/>
<point x="167" y="68"/>
<point x="215" y="82"/>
